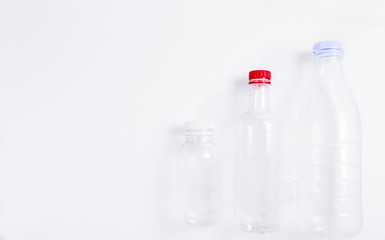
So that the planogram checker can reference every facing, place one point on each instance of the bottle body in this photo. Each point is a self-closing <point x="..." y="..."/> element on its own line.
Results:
<point x="256" y="193"/>
<point x="257" y="165"/>
<point x="199" y="181"/>
<point x="330" y="154"/>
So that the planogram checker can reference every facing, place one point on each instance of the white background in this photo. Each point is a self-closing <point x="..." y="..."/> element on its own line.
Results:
<point x="94" y="94"/>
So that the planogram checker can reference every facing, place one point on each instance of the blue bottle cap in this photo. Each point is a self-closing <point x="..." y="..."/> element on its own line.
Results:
<point x="328" y="48"/>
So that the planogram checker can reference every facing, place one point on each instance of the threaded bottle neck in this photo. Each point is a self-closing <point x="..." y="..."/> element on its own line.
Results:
<point x="259" y="99"/>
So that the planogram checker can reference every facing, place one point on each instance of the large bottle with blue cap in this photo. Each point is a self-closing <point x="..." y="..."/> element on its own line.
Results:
<point x="330" y="150"/>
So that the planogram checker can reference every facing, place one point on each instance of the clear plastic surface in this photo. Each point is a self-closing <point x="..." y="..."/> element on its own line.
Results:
<point x="330" y="152"/>
<point x="256" y="206"/>
<point x="199" y="181"/>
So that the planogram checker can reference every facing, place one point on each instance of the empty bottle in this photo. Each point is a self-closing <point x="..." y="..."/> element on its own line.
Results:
<point x="199" y="181"/>
<point x="256" y="196"/>
<point x="330" y="147"/>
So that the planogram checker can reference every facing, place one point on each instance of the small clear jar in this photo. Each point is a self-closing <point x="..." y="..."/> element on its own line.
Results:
<point x="199" y="178"/>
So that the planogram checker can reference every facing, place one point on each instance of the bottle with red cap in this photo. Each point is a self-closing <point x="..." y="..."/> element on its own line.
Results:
<point x="256" y="196"/>
<point x="330" y="150"/>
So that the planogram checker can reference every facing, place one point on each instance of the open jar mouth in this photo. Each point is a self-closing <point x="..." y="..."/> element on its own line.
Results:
<point x="202" y="128"/>
<point x="198" y="132"/>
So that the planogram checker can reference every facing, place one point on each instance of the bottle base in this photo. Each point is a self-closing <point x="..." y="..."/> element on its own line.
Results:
<point x="258" y="228"/>
<point x="195" y="223"/>
<point x="339" y="233"/>
<point x="200" y="220"/>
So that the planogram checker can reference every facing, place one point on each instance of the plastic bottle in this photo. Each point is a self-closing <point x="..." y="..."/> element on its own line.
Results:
<point x="330" y="147"/>
<point x="256" y="196"/>
<point x="199" y="180"/>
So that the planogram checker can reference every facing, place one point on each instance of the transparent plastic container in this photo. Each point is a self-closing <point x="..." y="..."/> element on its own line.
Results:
<point x="199" y="178"/>
<point x="330" y="148"/>
<point x="256" y="195"/>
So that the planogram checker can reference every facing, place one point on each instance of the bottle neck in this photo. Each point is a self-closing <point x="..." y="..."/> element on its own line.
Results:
<point x="328" y="67"/>
<point x="259" y="97"/>
<point x="199" y="138"/>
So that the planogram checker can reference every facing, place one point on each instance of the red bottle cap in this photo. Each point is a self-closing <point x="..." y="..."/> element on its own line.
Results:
<point x="259" y="76"/>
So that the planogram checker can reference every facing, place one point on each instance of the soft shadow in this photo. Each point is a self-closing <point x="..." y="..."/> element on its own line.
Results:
<point x="288" y="106"/>
<point x="166" y="180"/>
